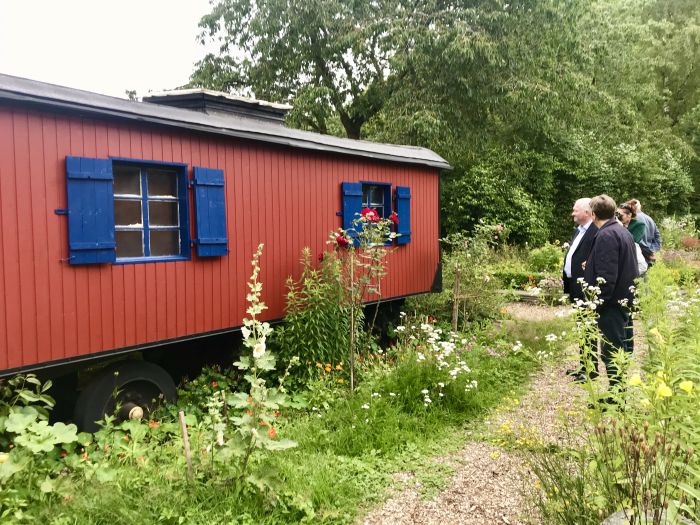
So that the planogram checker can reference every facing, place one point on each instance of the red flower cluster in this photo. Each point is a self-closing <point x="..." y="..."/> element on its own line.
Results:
<point x="342" y="241"/>
<point x="394" y="218"/>
<point x="371" y="215"/>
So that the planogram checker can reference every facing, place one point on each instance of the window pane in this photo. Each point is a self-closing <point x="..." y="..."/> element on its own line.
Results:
<point x="129" y="243"/>
<point x="162" y="183"/>
<point x="127" y="213"/>
<point x="127" y="181"/>
<point x="165" y="242"/>
<point x="377" y="195"/>
<point x="162" y="213"/>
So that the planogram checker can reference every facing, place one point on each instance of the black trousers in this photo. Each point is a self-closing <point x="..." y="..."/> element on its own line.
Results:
<point x="612" y="323"/>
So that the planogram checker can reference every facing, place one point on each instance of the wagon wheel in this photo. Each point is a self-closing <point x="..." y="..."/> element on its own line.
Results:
<point x="128" y="390"/>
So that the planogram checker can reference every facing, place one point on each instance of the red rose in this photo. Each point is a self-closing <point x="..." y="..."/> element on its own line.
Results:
<point x="394" y="218"/>
<point x="272" y="432"/>
<point x="371" y="215"/>
<point x="342" y="241"/>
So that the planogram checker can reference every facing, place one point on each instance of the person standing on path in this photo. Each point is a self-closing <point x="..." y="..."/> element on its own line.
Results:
<point x="576" y="255"/>
<point x="627" y="214"/>
<point x="652" y="238"/>
<point x="611" y="266"/>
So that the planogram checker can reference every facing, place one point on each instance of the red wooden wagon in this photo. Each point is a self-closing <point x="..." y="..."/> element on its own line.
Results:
<point x="127" y="228"/>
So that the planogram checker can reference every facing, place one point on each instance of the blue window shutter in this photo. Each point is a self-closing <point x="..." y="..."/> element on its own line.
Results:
<point x="210" y="208"/>
<point x="90" y="192"/>
<point x="352" y="206"/>
<point x="403" y="210"/>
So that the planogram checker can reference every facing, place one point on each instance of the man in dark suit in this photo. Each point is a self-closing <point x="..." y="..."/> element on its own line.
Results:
<point x="579" y="249"/>
<point x="612" y="266"/>
<point x="577" y="254"/>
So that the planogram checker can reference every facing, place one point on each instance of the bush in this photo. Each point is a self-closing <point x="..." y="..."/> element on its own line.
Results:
<point x="469" y="257"/>
<point x="677" y="232"/>
<point x="547" y="258"/>
<point x="317" y="325"/>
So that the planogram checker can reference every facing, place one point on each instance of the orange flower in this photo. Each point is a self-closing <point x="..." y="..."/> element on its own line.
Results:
<point x="214" y="384"/>
<point x="264" y="423"/>
<point x="272" y="432"/>
<point x="153" y="424"/>
<point x="277" y="413"/>
<point x="249" y="412"/>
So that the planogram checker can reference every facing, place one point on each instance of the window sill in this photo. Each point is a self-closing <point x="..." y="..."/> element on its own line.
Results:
<point x="141" y="260"/>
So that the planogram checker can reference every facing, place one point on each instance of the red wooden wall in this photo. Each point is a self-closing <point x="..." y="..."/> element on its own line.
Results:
<point x="285" y="198"/>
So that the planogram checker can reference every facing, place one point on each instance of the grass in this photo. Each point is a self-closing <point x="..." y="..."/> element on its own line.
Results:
<point x="346" y="458"/>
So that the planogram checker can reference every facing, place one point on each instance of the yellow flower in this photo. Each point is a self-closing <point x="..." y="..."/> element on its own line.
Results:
<point x="635" y="380"/>
<point x="338" y="367"/>
<point x="4" y="456"/>
<point x="495" y="455"/>
<point x="341" y="380"/>
<point x="664" y="390"/>
<point x="658" y="338"/>
<point x="686" y="386"/>
<point x="319" y="365"/>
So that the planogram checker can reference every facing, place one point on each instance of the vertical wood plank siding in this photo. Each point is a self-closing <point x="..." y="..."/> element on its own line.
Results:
<point x="284" y="198"/>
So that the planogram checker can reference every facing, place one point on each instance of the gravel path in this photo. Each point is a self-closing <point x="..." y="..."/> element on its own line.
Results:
<point x="491" y="477"/>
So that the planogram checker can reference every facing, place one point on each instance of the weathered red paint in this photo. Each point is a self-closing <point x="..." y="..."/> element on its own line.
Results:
<point x="282" y="197"/>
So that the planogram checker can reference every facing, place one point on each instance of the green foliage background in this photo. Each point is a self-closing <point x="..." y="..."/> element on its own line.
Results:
<point x="533" y="102"/>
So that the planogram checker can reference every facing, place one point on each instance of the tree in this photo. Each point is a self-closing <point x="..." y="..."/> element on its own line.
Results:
<point x="331" y="57"/>
<point x="535" y="103"/>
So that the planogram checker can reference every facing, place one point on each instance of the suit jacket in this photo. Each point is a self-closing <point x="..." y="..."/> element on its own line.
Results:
<point x="614" y="258"/>
<point x="577" y="259"/>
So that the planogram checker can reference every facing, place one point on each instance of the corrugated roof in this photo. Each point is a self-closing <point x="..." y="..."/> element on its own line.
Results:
<point x="32" y="92"/>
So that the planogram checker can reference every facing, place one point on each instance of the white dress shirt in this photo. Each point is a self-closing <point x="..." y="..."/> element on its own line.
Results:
<point x="574" y="244"/>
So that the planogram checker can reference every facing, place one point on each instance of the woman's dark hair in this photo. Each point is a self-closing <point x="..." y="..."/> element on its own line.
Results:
<point x="629" y="208"/>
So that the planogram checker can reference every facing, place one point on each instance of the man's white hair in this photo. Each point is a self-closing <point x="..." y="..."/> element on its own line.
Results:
<point x="585" y="202"/>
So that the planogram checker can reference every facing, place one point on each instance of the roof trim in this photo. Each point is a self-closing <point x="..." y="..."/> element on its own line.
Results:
<point x="31" y="92"/>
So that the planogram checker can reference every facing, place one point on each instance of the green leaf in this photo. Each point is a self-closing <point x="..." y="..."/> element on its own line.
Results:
<point x="282" y="444"/>
<point x="19" y="420"/>
<point x="105" y="475"/>
<point x="48" y="485"/>
<point x="693" y="492"/>
<point x="65" y="433"/>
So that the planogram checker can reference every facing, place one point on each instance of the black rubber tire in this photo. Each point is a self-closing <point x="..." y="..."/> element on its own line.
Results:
<point x="141" y="382"/>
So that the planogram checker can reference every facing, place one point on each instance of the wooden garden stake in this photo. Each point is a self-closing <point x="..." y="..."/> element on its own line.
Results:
<point x="352" y="320"/>
<point x="223" y="398"/>
<point x="186" y="443"/>
<point x="455" y="300"/>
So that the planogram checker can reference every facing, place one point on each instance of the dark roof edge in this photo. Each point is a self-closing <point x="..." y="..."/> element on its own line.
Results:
<point x="103" y="105"/>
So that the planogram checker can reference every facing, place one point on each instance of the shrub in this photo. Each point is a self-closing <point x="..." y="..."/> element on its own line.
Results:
<point x="469" y="258"/>
<point x="317" y="325"/>
<point x="547" y="258"/>
<point x="674" y="229"/>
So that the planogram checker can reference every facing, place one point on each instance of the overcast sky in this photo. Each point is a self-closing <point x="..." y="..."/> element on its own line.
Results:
<point x="105" y="46"/>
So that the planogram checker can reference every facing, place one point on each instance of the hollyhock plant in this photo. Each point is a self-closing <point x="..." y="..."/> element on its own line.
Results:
<point x="342" y="241"/>
<point x="394" y="218"/>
